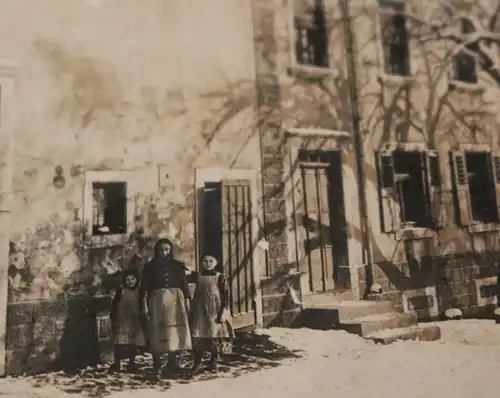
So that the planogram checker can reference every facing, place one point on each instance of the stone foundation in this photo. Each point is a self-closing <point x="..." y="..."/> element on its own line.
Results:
<point x="49" y="335"/>
<point x="278" y="307"/>
<point x="433" y="285"/>
<point x="45" y="335"/>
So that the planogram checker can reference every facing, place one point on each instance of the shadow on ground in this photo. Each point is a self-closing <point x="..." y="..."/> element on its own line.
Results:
<point x="252" y="352"/>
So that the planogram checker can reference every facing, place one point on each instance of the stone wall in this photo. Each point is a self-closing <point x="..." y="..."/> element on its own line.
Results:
<point x="466" y="281"/>
<point x="429" y="110"/>
<point x="291" y="97"/>
<point x="142" y="92"/>
<point x="273" y="152"/>
<point x="44" y="335"/>
<point x="425" y="111"/>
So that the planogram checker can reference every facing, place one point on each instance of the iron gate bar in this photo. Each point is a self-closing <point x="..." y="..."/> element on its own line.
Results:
<point x="306" y="218"/>
<point x="319" y="225"/>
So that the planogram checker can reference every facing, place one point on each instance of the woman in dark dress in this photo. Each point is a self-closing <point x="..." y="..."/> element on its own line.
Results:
<point x="165" y="297"/>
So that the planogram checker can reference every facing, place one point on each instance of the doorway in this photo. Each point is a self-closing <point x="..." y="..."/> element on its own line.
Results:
<point x="226" y="230"/>
<point x="323" y="219"/>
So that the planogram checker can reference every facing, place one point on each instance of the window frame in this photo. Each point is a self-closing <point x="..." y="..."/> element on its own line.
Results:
<point x="477" y="88"/>
<point x="107" y="240"/>
<point x="463" y="52"/>
<point x="104" y="187"/>
<point x="298" y="69"/>
<point x="473" y="226"/>
<point x="386" y="11"/>
<point x="401" y="231"/>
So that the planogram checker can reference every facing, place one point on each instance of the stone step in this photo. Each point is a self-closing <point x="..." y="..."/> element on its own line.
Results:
<point x="347" y="310"/>
<point x="369" y="324"/>
<point x="330" y="315"/>
<point x="419" y="332"/>
<point x="325" y="299"/>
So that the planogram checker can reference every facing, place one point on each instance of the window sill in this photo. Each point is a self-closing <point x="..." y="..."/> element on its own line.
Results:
<point x="480" y="227"/>
<point x="310" y="72"/>
<point x="396" y="80"/>
<point x="473" y="88"/>
<point x="103" y="241"/>
<point x="413" y="233"/>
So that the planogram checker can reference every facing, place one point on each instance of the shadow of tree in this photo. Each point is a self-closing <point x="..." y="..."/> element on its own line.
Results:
<point x="252" y="352"/>
<point x="392" y="113"/>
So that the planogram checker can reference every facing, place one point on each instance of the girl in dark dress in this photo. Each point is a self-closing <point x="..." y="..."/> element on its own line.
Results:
<point x="211" y="324"/>
<point x="165" y="297"/>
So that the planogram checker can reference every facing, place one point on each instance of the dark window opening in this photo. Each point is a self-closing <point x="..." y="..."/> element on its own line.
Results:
<point x="487" y="291"/>
<point x="481" y="187"/>
<point x="420" y="303"/>
<point x="395" y="41"/>
<point x="311" y="37"/>
<point x="316" y="156"/>
<point x="434" y="172"/>
<point x="109" y="210"/>
<point x="411" y="189"/>
<point x="465" y="64"/>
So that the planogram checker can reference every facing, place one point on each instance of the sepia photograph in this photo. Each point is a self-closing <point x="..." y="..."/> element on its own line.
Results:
<point x="249" y="198"/>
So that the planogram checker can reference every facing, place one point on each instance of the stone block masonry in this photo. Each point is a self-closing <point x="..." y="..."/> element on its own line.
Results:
<point x="45" y="335"/>
<point x="276" y="307"/>
<point x="453" y="281"/>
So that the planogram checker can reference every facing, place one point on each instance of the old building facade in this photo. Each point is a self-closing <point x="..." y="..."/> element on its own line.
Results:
<point x="113" y="113"/>
<point x="384" y="111"/>
<point x="352" y="137"/>
<point x="434" y="230"/>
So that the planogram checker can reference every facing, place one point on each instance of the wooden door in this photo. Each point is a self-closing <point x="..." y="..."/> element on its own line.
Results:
<point x="322" y="213"/>
<point x="228" y="235"/>
<point x="318" y="231"/>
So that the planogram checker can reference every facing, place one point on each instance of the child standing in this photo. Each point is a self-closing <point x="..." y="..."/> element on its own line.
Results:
<point x="127" y="324"/>
<point x="211" y="324"/>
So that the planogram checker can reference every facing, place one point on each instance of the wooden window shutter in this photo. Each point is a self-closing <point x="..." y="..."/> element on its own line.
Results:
<point x="495" y="157"/>
<point x="433" y="175"/>
<point x="462" y="187"/>
<point x="389" y="208"/>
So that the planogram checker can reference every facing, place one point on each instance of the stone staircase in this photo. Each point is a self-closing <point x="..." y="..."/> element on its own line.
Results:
<point x="373" y="320"/>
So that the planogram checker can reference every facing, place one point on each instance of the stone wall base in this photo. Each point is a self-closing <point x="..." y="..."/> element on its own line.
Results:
<point x="46" y="335"/>
<point x="433" y="285"/>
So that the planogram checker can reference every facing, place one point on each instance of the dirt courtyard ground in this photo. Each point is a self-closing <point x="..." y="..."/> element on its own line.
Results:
<point x="464" y="364"/>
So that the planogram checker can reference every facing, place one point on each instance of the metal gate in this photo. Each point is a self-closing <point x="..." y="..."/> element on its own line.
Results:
<point x="228" y="235"/>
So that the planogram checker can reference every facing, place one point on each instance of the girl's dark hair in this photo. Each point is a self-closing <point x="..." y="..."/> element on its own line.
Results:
<point x="164" y="241"/>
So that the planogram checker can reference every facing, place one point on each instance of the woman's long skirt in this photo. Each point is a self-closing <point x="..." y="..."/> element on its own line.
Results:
<point x="168" y="326"/>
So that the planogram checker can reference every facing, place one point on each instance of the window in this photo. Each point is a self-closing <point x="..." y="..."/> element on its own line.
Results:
<point x="477" y="187"/>
<point x="395" y="38"/>
<point x="409" y="189"/>
<point x="311" y="37"/>
<point x="104" y="331"/>
<point x="109" y="208"/>
<point x="465" y="67"/>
